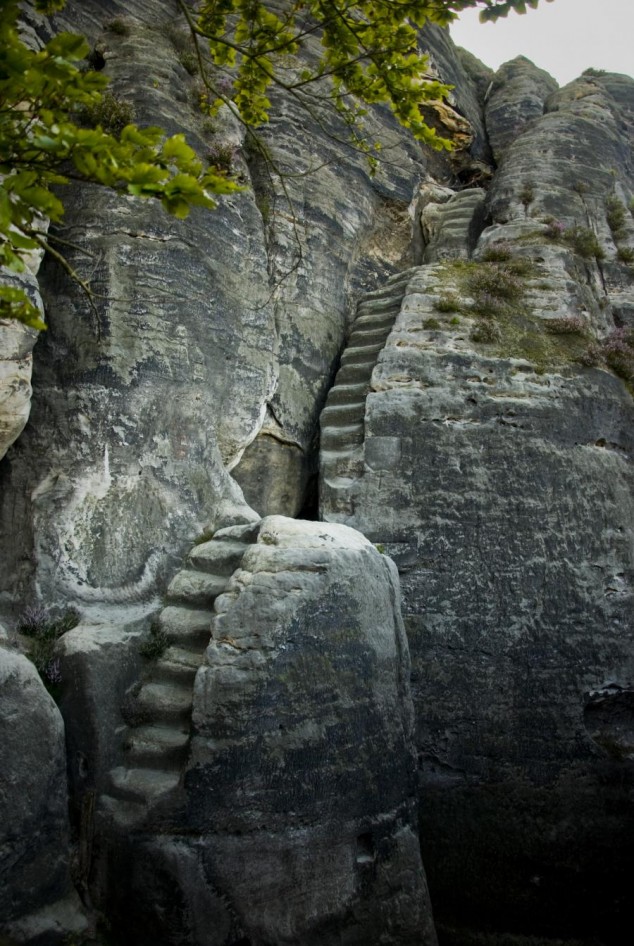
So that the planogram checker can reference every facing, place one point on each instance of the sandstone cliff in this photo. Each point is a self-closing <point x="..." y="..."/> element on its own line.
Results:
<point x="461" y="325"/>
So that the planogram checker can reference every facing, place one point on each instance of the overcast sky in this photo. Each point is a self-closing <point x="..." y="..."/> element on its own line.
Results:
<point x="564" y="37"/>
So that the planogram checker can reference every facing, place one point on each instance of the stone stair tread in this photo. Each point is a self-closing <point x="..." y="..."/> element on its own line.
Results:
<point x="362" y="355"/>
<point x="355" y="373"/>
<point x="379" y="312"/>
<point x="183" y="657"/>
<point x="160" y="699"/>
<point x="142" y="784"/>
<point x="362" y="336"/>
<point x="156" y="739"/>
<point x="217" y="557"/>
<point x="337" y="415"/>
<point x="195" y="587"/>
<point x="180" y="623"/>
<point x="245" y="533"/>
<point x="358" y="391"/>
<point x="343" y="430"/>
<point x="178" y="665"/>
<point x="390" y="285"/>
<point x="330" y="454"/>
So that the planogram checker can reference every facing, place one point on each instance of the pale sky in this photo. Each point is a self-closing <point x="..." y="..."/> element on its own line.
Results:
<point x="563" y="37"/>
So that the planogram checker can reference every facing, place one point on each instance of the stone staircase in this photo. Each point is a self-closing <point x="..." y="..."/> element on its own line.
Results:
<point x="459" y="224"/>
<point x="342" y="427"/>
<point x="158" y="710"/>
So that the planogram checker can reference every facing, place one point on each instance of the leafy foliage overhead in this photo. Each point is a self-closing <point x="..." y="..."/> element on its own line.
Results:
<point x="369" y="53"/>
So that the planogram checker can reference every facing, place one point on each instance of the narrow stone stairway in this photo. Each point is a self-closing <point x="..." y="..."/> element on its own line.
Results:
<point x="459" y="224"/>
<point x="341" y="453"/>
<point x="158" y="710"/>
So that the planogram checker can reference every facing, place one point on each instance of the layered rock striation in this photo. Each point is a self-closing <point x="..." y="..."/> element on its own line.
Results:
<point x="261" y="778"/>
<point x="493" y="460"/>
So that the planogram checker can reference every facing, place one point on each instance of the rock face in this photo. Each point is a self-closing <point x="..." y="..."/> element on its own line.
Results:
<point x="299" y="788"/>
<point x="515" y="99"/>
<point x="191" y="362"/>
<point x="255" y="782"/>
<point x="497" y="471"/>
<point x="16" y="343"/>
<point x="34" y="829"/>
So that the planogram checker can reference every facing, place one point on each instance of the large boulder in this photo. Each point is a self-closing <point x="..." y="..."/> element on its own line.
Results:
<point x="36" y="895"/>
<point x="296" y="820"/>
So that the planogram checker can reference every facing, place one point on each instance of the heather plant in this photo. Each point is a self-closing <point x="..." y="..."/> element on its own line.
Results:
<point x="555" y="229"/>
<point x="110" y="113"/>
<point x="567" y="325"/>
<point x="222" y="157"/>
<point x="493" y="283"/>
<point x="497" y="253"/>
<point x="618" y="351"/>
<point x="44" y="628"/>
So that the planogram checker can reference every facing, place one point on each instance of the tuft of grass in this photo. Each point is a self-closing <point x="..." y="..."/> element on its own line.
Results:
<point x="111" y="113"/>
<point x="499" y="252"/>
<point x="625" y="254"/>
<point x="584" y="242"/>
<point x="486" y="332"/>
<point x="431" y="323"/>
<point x="447" y="302"/>
<point x="118" y="25"/>
<point x="154" y="644"/>
<point x="527" y="194"/>
<point x="189" y="62"/>
<point x="615" y="215"/>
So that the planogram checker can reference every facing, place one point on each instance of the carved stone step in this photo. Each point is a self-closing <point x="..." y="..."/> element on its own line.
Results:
<point x="163" y="701"/>
<point x="377" y="312"/>
<point x="242" y="533"/>
<point x="187" y="627"/>
<point x="142" y="784"/>
<point x="195" y="588"/>
<point x="217" y="557"/>
<point x="347" y="394"/>
<point x="156" y="745"/>
<point x="348" y="461"/>
<point x="354" y="374"/>
<point x="340" y="437"/>
<point x="370" y="335"/>
<point x="178" y="665"/>
<point x="337" y="415"/>
<point x="392" y="285"/>
<point x="362" y="354"/>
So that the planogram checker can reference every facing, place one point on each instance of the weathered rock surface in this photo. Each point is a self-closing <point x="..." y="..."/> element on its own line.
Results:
<point x="16" y="344"/>
<point x="142" y="407"/>
<point x="34" y="828"/>
<point x="498" y="473"/>
<point x="515" y="99"/>
<point x="300" y="786"/>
